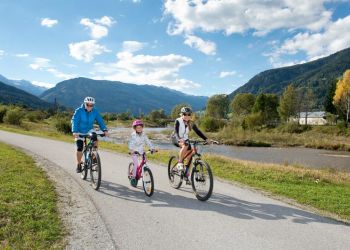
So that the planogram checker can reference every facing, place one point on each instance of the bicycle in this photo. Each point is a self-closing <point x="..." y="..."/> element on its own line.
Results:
<point x="91" y="159"/>
<point x="200" y="176"/>
<point x="144" y="172"/>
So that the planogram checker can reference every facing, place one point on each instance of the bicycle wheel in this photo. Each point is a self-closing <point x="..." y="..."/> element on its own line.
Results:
<point x="147" y="181"/>
<point x="95" y="170"/>
<point x="130" y="169"/>
<point x="175" y="177"/>
<point x="202" y="180"/>
<point x="85" y="165"/>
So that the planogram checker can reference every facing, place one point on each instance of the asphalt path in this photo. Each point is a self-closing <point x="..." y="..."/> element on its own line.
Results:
<point x="233" y="218"/>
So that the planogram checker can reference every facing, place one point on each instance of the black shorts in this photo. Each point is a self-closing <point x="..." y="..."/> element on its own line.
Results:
<point x="80" y="145"/>
<point x="187" y="143"/>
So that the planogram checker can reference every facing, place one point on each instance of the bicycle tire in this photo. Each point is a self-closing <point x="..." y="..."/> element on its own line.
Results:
<point x="84" y="170"/>
<point x="95" y="170"/>
<point x="148" y="182"/>
<point x="175" y="177"/>
<point x="199" y="177"/>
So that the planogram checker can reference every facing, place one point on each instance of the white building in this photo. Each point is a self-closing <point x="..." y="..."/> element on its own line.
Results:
<point x="313" y="118"/>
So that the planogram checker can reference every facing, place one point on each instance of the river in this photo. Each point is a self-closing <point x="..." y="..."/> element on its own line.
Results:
<point x="307" y="157"/>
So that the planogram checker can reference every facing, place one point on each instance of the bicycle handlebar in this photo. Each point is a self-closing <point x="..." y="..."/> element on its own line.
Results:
<point x="147" y="152"/>
<point x="203" y="142"/>
<point x="89" y="135"/>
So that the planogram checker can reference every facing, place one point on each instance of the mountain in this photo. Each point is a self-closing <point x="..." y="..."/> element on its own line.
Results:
<point x="12" y="95"/>
<point x="119" y="97"/>
<point x="24" y="85"/>
<point x="319" y="74"/>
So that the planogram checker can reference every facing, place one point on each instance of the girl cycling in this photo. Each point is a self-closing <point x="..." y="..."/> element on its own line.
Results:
<point x="137" y="142"/>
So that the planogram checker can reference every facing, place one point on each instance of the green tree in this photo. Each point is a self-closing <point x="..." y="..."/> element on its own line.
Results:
<point x="217" y="106"/>
<point x="175" y="112"/>
<point x="288" y="103"/>
<point x="328" y="104"/>
<point x="267" y="104"/>
<point x="243" y="104"/>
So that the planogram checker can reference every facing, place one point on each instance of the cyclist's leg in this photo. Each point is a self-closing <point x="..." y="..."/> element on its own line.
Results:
<point x="79" y="153"/>
<point x="136" y="163"/>
<point x="183" y="152"/>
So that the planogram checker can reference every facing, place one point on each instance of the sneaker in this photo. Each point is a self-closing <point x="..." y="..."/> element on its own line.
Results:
<point x="78" y="170"/>
<point x="133" y="182"/>
<point x="180" y="166"/>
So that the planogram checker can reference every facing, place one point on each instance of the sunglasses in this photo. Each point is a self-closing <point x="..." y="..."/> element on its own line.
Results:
<point x="89" y="105"/>
<point x="187" y="114"/>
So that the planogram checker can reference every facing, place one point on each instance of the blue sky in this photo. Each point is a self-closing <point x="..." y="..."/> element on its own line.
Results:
<point x="198" y="47"/>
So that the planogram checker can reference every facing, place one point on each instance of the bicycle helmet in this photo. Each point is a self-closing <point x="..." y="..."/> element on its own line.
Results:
<point x="137" y="123"/>
<point x="89" y="100"/>
<point x="186" y="110"/>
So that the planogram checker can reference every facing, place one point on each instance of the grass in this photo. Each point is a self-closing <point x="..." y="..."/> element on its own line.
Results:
<point x="29" y="218"/>
<point x="326" y="190"/>
<point x="319" y="137"/>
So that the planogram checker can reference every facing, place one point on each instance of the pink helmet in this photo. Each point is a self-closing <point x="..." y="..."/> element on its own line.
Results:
<point x="137" y="123"/>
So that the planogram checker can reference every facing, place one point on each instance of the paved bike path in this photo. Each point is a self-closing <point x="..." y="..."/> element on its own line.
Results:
<point x="233" y="218"/>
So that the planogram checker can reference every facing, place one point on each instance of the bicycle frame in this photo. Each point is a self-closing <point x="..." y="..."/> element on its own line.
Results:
<point x="139" y="170"/>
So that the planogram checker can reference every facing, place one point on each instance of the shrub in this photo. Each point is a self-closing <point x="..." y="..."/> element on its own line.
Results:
<point x="3" y="111"/>
<point x="294" y="128"/>
<point x="210" y="124"/>
<point x="37" y="115"/>
<point x="63" y="125"/>
<point x="253" y="121"/>
<point x="14" y="117"/>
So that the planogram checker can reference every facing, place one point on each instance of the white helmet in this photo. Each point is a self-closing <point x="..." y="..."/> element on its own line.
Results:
<point x="89" y="100"/>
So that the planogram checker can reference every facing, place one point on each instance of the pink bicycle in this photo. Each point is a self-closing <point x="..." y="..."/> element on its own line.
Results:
<point x="144" y="172"/>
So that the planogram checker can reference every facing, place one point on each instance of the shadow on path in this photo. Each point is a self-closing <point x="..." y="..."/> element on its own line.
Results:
<point x="218" y="203"/>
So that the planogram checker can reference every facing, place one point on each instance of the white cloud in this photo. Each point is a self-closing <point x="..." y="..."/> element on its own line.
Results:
<point x="132" y="46"/>
<point x="2" y="53"/>
<point x="240" y="16"/>
<point x="40" y="63"/>
<point x="146" y="69"/>
<point x="315" y="45"/>
<point x="44" y="64"/>
<point x="86" y="51"/>
<point x="207" y="47"/>
<point x="60" y="74"/>
<point x="98" y="27"/>
<point x="47" y="22"/>
<point x="22" y="55"/>
<point x="224" y="74"/>
<point x="43" y="84"/>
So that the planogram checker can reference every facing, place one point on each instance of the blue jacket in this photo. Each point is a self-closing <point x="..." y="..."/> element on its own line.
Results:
<point x="83" y="121"/>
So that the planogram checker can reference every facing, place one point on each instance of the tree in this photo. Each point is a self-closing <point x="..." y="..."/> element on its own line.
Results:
<point x="156" y="115"/>
<point x="175" y="112"/>
<point x="242" y="104"/>
<point x="342" y="94"/>
<point x="328" y="104"/>
<point x="288" y="103"/>
<point x="217" y="106"/>
<point x="267" y="104"/>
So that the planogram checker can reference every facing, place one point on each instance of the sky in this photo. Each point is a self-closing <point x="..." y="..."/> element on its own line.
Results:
<point x="200" y="47"/>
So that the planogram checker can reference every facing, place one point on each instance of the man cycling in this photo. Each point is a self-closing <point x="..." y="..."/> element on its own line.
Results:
<point x="183" y="126"/>
<point x="82" y="122"/>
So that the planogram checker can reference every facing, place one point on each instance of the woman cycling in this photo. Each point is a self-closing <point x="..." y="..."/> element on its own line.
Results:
<point x="82" y="122"/>
<point x="183" y="126"/>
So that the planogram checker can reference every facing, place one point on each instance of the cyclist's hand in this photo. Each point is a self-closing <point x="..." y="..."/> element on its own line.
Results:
<point x="75" y="135"/>
<point x="106" y="133"/>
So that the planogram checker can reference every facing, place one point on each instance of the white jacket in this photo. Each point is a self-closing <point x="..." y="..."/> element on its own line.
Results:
<point x="137" y="142"/>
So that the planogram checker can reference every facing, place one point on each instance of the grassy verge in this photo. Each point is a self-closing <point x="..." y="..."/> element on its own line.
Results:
<point x="28" y="212"/>
<point x="326" y="190"/>
<point x="320" y="137"/>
